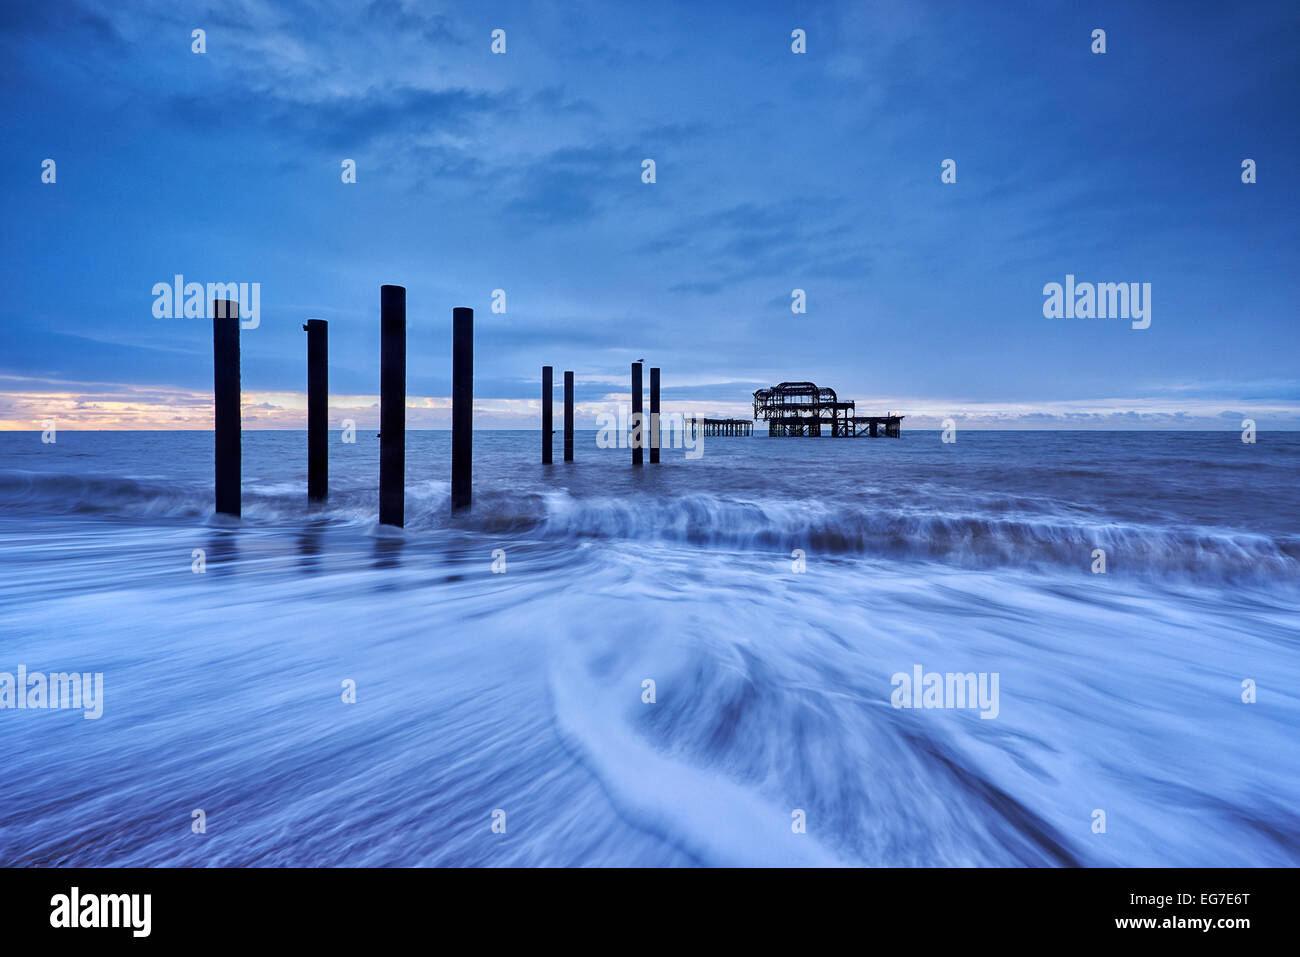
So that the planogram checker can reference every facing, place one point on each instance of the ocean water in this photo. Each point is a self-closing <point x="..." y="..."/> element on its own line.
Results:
<point x="518" y="696"/>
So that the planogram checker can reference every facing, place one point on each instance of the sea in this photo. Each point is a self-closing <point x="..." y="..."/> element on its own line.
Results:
<point x="753" y="657"/>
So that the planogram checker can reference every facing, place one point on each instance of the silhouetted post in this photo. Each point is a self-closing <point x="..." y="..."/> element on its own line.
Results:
<point x="392" y="405"/>
<point x="462" y="406"/>
<point x="654" y="415"/>
<point x="225" y="389"/>
<point x="318" y="403"/>
<point x="548" y="426"/>
<point x="638" y="431"/>
<point x="568" y="416"/>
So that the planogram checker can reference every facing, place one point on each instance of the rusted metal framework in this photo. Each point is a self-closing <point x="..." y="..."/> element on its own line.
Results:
<point x="804" y="408"/>
<point x="722" y="427"/>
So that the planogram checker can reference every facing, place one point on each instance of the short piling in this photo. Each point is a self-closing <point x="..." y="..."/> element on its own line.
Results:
<point x="637" y="438"/>
<point x="392" y="405"/>
<point x="462" y="406"/>
<point x="225" y="388"/>
<point x="548" y="426"/>
<point x="318" y="402"/>
<point x="654" y="415"/>
<point x="568" y="416"/>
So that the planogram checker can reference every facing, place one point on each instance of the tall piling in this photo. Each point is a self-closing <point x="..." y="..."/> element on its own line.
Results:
<point x="637" y="438"/>
<point x="462" y="406"/>
<point x="392" y="405"/>
<point x="225" y="389"/>
<point x="568" y="416"/>
<point x="654" y="415"/>
<point x="548" y="426"/>
<point x="318" y="402"/>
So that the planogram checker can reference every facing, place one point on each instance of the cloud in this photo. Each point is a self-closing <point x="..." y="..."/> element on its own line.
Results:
<point x="796" y="239"/>
<point x="36" y="19"/>
<point x="349" y="120"/>
<point x="434" y="27"/>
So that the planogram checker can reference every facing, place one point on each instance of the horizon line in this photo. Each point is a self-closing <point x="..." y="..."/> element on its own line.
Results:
<point x="756" y="434"/>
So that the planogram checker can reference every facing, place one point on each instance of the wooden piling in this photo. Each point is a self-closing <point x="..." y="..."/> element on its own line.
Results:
<point x="462" y="406"/>
<point x="637" y="438"/>
<point x="317" y="409"/>
<point x="654" y="415"/>
<point x="225" y="389"/>
<point x="548" y="426"/>
<point x="392" y="405"/>
<point x="568" y="416"/>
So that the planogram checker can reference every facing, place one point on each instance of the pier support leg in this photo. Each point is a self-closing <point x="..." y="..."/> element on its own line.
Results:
<point x="548" y="427"/>
<point x="225" y="388"/>
<point x="318" y="391"/>
<point x="392" y="405"/>
<point x="638" y="430"/>
<point x="568" y="416"/>
<point x="462" y="407"/>
<point x="654" y="415"/>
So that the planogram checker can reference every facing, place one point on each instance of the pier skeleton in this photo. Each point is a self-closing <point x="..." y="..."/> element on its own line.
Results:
<point x="804" y="408"/>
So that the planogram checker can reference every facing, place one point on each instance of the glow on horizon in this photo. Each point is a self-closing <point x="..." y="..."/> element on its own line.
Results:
<point x="130" y="408"/>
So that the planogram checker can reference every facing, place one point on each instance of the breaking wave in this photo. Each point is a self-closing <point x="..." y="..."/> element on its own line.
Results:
<point x="994" y="535"/>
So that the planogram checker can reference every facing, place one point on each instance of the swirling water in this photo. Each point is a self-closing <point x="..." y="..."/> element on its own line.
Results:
<point x="522" y="690"/>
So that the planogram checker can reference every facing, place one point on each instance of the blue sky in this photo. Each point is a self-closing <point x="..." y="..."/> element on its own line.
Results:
<point x="775" y="171"/>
